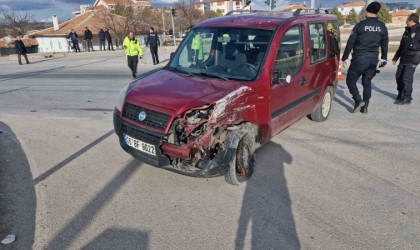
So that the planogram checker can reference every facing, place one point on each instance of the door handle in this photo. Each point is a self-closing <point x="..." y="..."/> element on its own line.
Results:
<point x="302" y="81"/>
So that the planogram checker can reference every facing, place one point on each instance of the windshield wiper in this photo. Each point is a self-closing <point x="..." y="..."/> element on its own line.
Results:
<point x="211" y="75"/>
<point x="182" y="71"/>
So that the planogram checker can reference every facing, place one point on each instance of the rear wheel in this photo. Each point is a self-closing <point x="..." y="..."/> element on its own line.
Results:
<point x="242" y="166"/>
<point x="323" y="109"/>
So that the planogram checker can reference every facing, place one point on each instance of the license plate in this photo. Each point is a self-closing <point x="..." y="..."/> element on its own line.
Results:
<point x="139" y="145"/>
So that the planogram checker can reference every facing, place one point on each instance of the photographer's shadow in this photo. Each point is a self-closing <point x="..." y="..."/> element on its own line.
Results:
<point x="266" y="207"/>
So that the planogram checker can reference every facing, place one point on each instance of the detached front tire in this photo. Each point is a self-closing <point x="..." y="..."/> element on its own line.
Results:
<point x="323" y="109"/>
<point x="241" y="166"/>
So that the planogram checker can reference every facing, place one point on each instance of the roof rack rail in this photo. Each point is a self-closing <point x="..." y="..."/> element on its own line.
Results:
<point x="317" y="11"/>
<point x="233" y="12"/>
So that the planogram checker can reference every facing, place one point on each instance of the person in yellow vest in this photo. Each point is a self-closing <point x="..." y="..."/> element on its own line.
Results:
<point x="197" y="48"/>
<point x="133" y="52"/>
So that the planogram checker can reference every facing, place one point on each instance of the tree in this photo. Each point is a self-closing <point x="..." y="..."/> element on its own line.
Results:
<point x="418" y="10"/>
<point x="362" y="14"/>
<point x="384" y="15"/>
<point x="352" y="17"/>
<point x="339" y="16"/>
<point x="18" y="22"/>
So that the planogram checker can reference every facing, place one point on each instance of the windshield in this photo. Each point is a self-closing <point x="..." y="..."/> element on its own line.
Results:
<point x="224" y="53"/>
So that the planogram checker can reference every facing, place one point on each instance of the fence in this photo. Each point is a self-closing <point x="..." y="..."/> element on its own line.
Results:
<point x="12" y="51"/>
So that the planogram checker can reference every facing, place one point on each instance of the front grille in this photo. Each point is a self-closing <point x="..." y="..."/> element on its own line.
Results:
<point x="142" y="135"/>
<point x="153" y="119"/>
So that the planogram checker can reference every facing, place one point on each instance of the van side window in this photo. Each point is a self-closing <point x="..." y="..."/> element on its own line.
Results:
<point x="289" y="59"/>
<point x="318" y="42"/>
<point x="334" y="38"/>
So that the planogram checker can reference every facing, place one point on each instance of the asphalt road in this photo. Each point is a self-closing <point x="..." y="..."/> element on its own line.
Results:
<point x="352" y="182"/>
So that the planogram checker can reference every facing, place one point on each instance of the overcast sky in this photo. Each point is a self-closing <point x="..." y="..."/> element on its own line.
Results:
<point x="43" y="9"/>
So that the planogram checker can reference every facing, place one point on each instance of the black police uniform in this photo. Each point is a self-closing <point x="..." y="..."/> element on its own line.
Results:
<point x="366" y="37"/>
<point x="409" y="55"/>
<point x="153" y="42"/>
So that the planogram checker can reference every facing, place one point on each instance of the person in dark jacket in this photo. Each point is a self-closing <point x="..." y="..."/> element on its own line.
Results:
<point x="109" y="39"/>
<point x="409" y="55"/>
<point x="88" y="39"/>
<point x="102" y="39"/>
<point x="365" y="39"/>
<point x="74" y="40"/>
<point x="153" y="42"/>
<point x="21" y="50"/>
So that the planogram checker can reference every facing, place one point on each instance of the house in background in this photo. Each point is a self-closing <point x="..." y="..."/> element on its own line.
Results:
<point x="54" y="39"/>
<point x="7" y="45"/>
<point x="346" y="8"/>
<point x="400" y="16"/>
<point x="295" y="7"/>
<point x="215" y="5"/>
<point x="110" y="4"/>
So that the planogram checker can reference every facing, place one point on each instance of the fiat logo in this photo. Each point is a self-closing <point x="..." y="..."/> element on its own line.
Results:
<point x="142" y="116"/>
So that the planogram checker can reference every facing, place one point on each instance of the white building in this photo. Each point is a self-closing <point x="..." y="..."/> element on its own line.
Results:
<point x="218" y="5"/>
<point x="54" y="39"/>
<point x="346" y="8"/>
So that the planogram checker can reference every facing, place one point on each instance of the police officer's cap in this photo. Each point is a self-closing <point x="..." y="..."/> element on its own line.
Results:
<point x="373" y="8"/>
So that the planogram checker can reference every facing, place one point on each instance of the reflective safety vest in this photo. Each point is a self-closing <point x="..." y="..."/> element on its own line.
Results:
<point x="132" y="47"/>
<point x="197" y="44"/>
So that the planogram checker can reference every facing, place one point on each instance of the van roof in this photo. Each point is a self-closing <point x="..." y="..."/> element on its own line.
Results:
<point x="259" y="20"/>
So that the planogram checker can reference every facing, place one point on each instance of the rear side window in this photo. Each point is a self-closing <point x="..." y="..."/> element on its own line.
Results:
<point x="289" y="59"/>
<point x="334" y="38"/>
<point x="318" y="42"/>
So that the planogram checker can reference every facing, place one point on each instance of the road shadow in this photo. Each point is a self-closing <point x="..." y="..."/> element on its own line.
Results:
<point x="266" y="213"/>
<point x="120" y="239"/>
<point x="349" y="102"/>
<point x="383" y="92"/>
<point x="17" y="199"/>
<point x="81" y="221"/>
<point x="69" y="159"/>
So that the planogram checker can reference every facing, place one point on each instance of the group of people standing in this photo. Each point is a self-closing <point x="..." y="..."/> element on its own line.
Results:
<point x="88" y="36"/>
<point x="365" y="40"/>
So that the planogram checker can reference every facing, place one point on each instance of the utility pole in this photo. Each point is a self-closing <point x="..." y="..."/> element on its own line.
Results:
<point x="173" y="25"/>
<point x="163" y="24"/>
<point x="230" y="5"/>
<point x="271" y="3"/>
<point x="312" y="4"/>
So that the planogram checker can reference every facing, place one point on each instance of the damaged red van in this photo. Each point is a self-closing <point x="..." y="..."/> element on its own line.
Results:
<point x="232" y="84"/>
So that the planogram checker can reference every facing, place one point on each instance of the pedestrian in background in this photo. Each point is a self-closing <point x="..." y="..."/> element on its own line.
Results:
<point x="409" y="55"/>
<point x="102" y="39"/>
<point x="197" y="49"/>
<point x="153" y="42"/>
<point x="133" y="51"/>
<point x="74" y="40"/>
<point x="88" y="39"/>
<point x="109" y="39"/>
<point x="365" y="39"/>
<point x="21" y="50"/>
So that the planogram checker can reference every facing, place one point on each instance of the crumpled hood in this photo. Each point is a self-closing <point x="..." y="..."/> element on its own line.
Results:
<point x="179" y="92"/>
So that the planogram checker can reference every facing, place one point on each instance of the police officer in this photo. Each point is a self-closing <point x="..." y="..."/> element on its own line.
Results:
<point x="133" y="52"/>
<point x="365" y="39"/>
<point x="153" y="42"/>
<point x="197" y="48"/>
<point x="409" y="55"/>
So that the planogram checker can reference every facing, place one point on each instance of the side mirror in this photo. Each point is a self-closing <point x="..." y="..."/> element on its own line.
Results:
<point x="172" y="55"/>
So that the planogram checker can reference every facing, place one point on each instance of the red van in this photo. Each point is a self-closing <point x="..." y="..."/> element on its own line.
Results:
<point x="232" y="84"/>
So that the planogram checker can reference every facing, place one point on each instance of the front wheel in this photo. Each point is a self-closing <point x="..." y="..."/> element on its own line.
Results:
<point x="242" y="165"/>
<point x="323" y="109"/>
